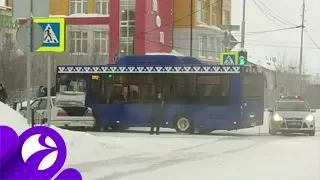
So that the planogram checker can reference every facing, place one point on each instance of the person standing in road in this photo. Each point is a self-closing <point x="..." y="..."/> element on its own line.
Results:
<point x="3" y="94"/>
<point x="157" y="110"/>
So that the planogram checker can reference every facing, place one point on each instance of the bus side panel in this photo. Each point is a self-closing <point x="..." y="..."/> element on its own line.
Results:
<point x="217" y="117"/>
<point x="137" y="115"/>
<point x="222" y="117"/>
<point x="253" y="99"/>
<point x="212" y="116"/>
<point x="109" y="114"/>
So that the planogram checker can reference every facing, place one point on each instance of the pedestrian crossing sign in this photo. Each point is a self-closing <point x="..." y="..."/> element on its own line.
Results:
<point x="229" y="58"/>
<point x="53" y="34"/>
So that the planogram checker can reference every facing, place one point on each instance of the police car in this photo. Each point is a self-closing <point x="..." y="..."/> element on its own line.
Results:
<point x="293" y="115"/>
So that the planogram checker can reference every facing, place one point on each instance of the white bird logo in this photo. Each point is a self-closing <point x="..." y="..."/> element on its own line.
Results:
<point x="32" y="146"/>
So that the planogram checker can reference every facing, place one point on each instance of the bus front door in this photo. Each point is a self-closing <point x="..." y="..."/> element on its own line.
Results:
<point x="253" y="99"/>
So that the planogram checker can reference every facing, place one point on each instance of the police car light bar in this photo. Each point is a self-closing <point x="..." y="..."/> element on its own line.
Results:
<point x="290" y="97"/>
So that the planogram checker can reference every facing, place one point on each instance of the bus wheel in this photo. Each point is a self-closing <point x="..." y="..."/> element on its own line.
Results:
<point x="183" y="125"/>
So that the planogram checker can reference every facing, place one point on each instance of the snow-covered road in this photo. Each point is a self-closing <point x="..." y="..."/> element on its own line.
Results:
<point x="249" y="154"/>
<point x="222" y="155"/>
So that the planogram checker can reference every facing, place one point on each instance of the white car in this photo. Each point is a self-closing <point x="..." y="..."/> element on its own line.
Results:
<point x="67" y="110"/>
<point x="292" y="115"/>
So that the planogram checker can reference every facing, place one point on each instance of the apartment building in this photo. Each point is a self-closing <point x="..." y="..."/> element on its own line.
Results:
<point x="98" y="30"/>
<point x="8" y="27"/>
<point x="206" y="21"/>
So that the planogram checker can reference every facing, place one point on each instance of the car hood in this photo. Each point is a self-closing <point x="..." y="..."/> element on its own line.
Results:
<point x="70" y="98"/>
<point x="293" y="114"/>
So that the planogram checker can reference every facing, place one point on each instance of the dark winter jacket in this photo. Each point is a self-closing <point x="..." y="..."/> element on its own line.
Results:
<point x="3" y="94"/>
<point x="157" y="108"/>
<point x="41" y="92"/>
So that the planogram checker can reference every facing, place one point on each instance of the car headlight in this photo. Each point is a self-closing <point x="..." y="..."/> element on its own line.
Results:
<point x="310" y="117"/>
<point x="276" y="117"/>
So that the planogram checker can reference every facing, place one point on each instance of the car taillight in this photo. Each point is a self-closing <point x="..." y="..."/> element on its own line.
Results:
<point x="89" y="113"/>
<point x="61" y="113"/>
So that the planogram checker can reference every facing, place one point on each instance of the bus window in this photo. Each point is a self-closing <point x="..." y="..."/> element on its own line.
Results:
<point x="213" y="89"/>
<point x="71" y="82"/>
<point x="184" y="86"/>
<point x="213" y="85"/>
<point x="253" y="85"/>
<point x="97" y="90"/>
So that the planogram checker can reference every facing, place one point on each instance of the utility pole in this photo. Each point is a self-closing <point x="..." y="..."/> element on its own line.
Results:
<point x="301" y="48"/>
<point x="243" y="28"/>
<point x="191" y="26"/>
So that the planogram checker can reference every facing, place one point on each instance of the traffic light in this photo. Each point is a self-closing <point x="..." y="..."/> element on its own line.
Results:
<point x="243" y="57"/>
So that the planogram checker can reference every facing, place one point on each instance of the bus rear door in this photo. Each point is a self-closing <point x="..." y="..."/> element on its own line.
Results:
<point x="253" y="99"/>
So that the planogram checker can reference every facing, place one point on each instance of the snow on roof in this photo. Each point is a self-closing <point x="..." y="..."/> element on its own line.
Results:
<point x="172" y="53"/>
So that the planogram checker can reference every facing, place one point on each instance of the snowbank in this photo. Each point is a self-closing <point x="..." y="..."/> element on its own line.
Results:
<point x="74" y="140"/>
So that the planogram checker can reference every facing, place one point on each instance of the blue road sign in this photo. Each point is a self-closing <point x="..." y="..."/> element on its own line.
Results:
<point x="229" y="58"/>
<point x="53" y="34"/>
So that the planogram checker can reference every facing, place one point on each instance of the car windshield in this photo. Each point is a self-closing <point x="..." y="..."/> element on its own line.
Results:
<point x="292" y="106"/>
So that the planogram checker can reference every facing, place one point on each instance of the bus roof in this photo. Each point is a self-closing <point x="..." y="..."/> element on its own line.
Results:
<point x="152" y="64"/>
<point x="195" y="69"/>
<point x="161" y="60"/>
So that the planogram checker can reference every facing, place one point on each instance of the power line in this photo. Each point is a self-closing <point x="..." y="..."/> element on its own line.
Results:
<point x="277" y="16"/>
<point x="275" y="46"/>
<point x="265" y="12"/>
<point x="313" y="41"/>
<point x="248" y="33"/>
<point x="253" y="44"/>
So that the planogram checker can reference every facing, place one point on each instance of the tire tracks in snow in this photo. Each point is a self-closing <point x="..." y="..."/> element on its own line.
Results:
<point x="191" y="158"/>
<point x="134" y="158"/>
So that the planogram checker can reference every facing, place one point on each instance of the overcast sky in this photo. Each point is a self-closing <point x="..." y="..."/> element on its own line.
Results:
<point x="261" y="45"/>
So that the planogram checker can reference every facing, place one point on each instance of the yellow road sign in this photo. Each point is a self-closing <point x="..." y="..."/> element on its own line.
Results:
<point x="229" y="58"/>
<point x="54" y="33"/>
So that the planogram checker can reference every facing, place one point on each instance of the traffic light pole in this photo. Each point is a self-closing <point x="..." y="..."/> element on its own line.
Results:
<point x="243" y="26"/>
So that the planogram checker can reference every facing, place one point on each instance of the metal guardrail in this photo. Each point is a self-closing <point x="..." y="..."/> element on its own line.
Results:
<point x="37" y="118"/>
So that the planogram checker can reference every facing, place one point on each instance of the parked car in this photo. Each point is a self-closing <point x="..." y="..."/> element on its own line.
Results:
<point x="67" y="110"/>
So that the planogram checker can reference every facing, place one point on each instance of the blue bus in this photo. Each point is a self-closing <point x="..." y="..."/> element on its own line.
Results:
<point x="196" y="95"/>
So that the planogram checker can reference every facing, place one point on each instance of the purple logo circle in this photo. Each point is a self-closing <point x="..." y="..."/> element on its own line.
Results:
<point x="41" y="154"/>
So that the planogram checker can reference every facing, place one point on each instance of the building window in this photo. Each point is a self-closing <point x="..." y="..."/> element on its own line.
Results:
<point x="102" y="7"/>
<point x="211" y="47"/>
<point x="100" y="42"/>
<point x="201" y="11"/>
<point x="78" y="7"/>
<point x="226" y="17"/>
<point x="127" y="26"/>
<point x="219" y="46"/>
<point x="126" y="48"/>
<point x="8" y="41"/>
<point x="202" y="46"/>
<point x="78" y="42"/>
<point x="127" y="14"/>
<point x="155" y="5"/>
<point x="214" y="12"/>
